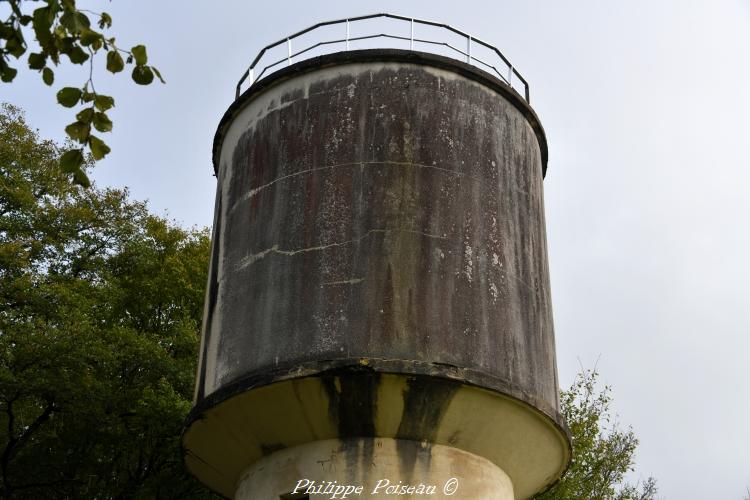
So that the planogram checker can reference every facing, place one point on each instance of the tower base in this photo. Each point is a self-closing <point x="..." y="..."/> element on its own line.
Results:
<point x="373" y="468"/>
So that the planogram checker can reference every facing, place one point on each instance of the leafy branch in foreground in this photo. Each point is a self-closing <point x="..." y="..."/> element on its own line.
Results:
<point x="61" y="29"/>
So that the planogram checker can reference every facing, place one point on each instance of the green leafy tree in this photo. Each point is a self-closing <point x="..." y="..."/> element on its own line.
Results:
<point x="100" y="306"/>
<point x="61" y="29"/>
<point x="602" y="451"/>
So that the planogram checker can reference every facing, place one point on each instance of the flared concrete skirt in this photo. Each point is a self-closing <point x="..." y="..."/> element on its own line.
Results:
<point x="373" y="468"/>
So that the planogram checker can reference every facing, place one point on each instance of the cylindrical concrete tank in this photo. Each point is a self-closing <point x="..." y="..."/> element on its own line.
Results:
<point x="378" y="299"/>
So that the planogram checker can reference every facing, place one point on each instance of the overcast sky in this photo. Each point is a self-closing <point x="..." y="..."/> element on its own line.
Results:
<point x="646" y="107"/>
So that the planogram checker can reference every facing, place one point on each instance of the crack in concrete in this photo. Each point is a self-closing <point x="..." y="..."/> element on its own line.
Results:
<point x="250" y="194"/>
<point x="352" y="281"/>
<point x="252" y="258"/>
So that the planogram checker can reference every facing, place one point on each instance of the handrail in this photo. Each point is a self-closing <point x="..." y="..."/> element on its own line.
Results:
<point x="469" y="58"/>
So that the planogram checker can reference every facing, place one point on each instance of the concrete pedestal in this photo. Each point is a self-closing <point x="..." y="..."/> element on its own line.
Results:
<point x="373" y="468"/>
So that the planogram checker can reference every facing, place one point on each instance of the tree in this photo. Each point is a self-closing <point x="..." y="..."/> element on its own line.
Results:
<point x="100" y="307"/>
<point x="61" y="29"/>
<point x="602" y="452"/>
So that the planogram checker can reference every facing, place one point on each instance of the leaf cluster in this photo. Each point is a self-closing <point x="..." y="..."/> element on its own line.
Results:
<point x="63" y="30"/>
<point x="603" y="453"/>
<point x="100" y="311"/>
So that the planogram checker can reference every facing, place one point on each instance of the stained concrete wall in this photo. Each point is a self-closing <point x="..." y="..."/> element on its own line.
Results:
<point x="385" y="209"/>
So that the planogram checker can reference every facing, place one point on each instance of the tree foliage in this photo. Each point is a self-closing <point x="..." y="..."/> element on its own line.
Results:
<point x="100" y="305"/>
<point x="602" y="451"/>
<point x="61" y="29"/>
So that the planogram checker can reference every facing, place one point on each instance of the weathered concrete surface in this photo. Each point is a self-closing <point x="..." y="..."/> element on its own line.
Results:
<point x="348" y="402"/>
<point x="375" y="467"/>
<point x="385" y="208"/>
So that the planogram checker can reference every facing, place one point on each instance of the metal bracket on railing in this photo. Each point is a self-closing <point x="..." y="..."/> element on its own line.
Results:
<point x="426" y="44"/>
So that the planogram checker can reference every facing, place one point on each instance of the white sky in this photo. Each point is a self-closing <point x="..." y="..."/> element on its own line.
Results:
<point x="646" y="107"/>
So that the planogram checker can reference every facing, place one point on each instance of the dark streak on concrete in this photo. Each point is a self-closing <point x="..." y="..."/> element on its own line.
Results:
<point x="425" y="401"/>
<point x="353" y="407"/>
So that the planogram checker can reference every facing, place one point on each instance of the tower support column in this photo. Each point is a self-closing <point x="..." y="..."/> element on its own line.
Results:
<point x="373" y="468"/>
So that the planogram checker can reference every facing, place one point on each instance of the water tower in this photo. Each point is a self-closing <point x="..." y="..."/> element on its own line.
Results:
<point x="378" y="304"/>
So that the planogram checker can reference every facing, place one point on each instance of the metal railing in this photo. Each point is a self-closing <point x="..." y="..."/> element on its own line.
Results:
<point x="507" y="75"/>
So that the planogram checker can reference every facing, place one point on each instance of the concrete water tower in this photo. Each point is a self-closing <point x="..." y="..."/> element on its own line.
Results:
<point x="378" y="308"/>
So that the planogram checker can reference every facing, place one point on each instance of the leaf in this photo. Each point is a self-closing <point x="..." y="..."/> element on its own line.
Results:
<point x="102" y="122"/>
<point x="115" y="64"/>
<point x="48" y="76"/>
<point x="69" y="96"/>
<point x="88" y="96"/>
<point x="6" y="31"/>
<point x="42" y="22"/>
<point x="89" y="37"/>
<point x="15" y="45"/>
<point x="63" y="43"/>
<point x="98" y="149"/>
<point x="139" y="53"/>
<point x="80" y="178"/>
<point x="142" y="75"/>
<point x="78" y="131"/>
<point x="7" y="74"/>
<point x="85" y="115"/>
<point x="105" y="21"/>
<point x="104" y="102"/>
<point x="77" y="55"/>
<point x="75" y="22"/>
<point x="71" y="160"/>
<point x="158" y="75"/>
<point x="36" y="60"/>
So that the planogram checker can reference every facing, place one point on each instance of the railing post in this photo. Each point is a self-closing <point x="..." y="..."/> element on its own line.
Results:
<point x="288" y="52"/>
<point x="510" y="75"/>
<point x="468" y="49"/>
<point x="347" y="34"/>
<point x="252" y="77"/>
<point x="411" y="41"/>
